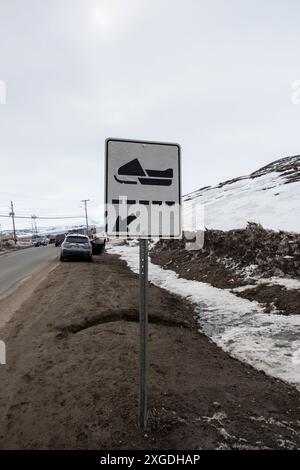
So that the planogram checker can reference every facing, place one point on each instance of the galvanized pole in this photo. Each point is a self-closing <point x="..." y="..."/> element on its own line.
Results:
<point x="12" y="214"/>
<point x="85" y="201"/>
<point x="142" y="418"/>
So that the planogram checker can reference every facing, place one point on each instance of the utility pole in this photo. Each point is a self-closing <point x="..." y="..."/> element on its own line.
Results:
<point x="12" y="214"/>
<point x="33" y="221"/>
<point x="1" y="239"/>
<point x="86" y="215"/>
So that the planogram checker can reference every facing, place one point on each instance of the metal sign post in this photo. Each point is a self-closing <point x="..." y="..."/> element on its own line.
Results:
<point x="143" y="201"/>
<point x="143" y="314"/>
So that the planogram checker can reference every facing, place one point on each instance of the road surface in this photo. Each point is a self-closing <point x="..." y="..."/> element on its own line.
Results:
<point x="18" y="265"/>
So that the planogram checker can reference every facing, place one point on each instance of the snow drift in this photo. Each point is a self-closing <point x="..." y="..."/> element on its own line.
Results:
<point x="269" y="196"/>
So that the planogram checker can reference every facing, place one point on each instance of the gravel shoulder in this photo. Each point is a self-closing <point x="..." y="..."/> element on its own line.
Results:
<point x="13" y="298"/>
<point x="71" y="379"/>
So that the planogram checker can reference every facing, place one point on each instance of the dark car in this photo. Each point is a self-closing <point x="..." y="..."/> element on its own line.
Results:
<point x="98" y="245"/>
<point x="52" y="239"/>
<point x="59" y="239"/>
<point x="41" y="241"/>
<point x="76" y="246"/>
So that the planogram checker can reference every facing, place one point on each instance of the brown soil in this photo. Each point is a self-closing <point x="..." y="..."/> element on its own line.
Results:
<point x="272" y="253"/>
<point x="71" y="379"/>
<point x="196" y="266"/>
<point x="206" y="266"/>
<point x="286" y="301"/>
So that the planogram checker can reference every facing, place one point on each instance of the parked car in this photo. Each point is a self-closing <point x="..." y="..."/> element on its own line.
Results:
<point x="41" y="241"/>
<point x="76" y="246"/>
<point x="98" y="244"/>
<point x="52" y="239"/>
<point x="59" y="239"/>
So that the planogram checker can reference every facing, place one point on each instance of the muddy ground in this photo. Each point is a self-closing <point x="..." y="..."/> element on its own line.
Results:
<point x="218" y="271"/>
<point x="71" y="379"/>
<point x="285" y="301"/>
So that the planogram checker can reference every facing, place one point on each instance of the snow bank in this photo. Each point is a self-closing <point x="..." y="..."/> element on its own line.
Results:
<point x="286" y="282"/>
<point x="266" y="200"/>
<point x="268" y="342"/>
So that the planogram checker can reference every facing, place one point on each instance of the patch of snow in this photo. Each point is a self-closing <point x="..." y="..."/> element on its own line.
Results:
<point x="286" y="444"/>
<point x="268" y="342"/>
<point x="242" y="288"/>
<point x="218" y="416"/>
<point x="288" y="283"/>
<point x="248" y="272"/>
<point x="272" y="421"/>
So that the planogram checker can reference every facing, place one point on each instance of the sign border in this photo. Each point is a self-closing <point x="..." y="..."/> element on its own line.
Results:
<point x="149" y="142"/>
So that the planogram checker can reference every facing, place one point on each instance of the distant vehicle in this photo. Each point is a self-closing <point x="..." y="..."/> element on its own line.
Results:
<point x="76" y="246"/>
<point x="52" y="239"/>
<point x="59" y="239"/>
<point x="41" y="241"/>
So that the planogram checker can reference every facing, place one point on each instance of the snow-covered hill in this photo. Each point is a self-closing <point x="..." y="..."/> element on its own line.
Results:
<point x="269" y="196"/>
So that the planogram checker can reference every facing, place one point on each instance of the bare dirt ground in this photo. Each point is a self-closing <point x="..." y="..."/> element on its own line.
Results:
<point x="71" y="379"/>
<point x="210" y="269"/>
<point x="287" y="301"/>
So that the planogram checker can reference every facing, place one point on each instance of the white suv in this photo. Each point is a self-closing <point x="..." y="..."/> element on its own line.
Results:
<point x="76" y="246"/>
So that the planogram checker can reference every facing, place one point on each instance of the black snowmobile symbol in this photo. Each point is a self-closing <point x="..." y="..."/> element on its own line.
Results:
<point x="132" y="173"/>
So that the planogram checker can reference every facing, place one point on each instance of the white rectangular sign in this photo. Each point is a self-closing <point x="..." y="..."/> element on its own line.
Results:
<point x="143" y="189"/>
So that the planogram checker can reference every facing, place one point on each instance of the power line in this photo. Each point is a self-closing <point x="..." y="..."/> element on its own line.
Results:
<point x="63" y="217"/>
<point x="45" y="218"/>
<point x="95" y="222"/>
<point x="29" y="196"/>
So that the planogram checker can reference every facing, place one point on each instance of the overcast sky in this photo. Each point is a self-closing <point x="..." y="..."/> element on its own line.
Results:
<point x="214" y="76"/>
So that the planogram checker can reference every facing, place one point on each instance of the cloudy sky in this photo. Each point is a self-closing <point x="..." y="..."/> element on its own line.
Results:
<point x="214" y="76"/>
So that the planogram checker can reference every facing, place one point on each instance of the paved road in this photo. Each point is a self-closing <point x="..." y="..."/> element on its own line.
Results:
<point x="18" y="265"/>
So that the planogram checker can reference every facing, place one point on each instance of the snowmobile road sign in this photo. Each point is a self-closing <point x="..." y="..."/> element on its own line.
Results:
<point x="143" y="189"/>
